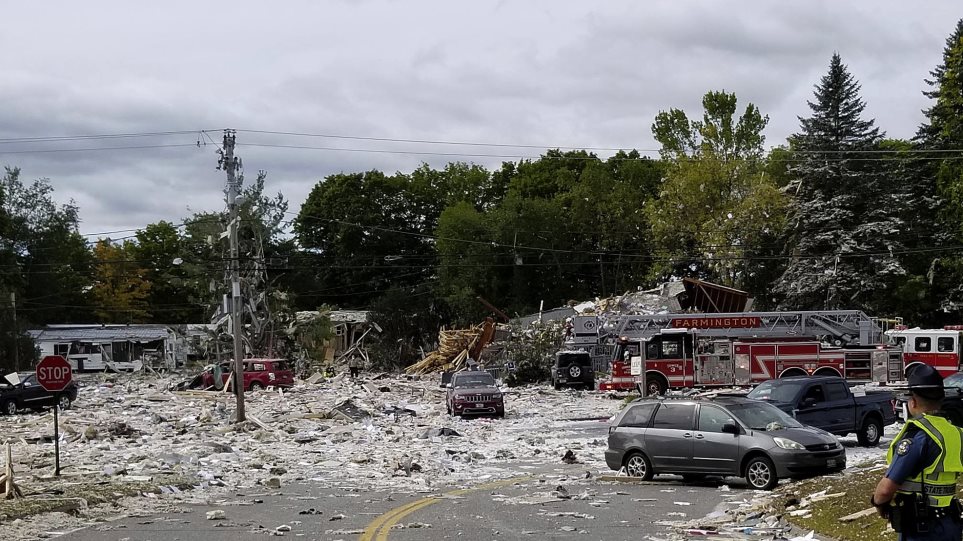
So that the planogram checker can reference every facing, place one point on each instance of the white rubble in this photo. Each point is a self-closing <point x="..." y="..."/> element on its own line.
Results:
<point x="132" y="428"/>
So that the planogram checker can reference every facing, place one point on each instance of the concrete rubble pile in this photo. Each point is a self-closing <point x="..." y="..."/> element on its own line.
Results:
<point x="385" y="433"/>
<point x="652" y="301"/>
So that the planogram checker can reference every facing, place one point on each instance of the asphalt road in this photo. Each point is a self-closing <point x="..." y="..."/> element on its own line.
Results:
<point x="524" y="508"/>
<point x="524" y="505"/>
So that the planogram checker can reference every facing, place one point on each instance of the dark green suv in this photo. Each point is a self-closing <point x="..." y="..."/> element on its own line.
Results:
<point x="573" y="368"/>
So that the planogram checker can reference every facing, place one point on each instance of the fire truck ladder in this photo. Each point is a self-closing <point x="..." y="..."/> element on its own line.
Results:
<point x="838" y="327"/>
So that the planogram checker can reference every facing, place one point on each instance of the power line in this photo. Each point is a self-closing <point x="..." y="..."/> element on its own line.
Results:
<point x="435" y="141"/>
<point x="416" y="152"/>
<point x="563" y="157"/>
<point x="57" y="138"/>
<point x="95" y="149"/>
<point x="498" y="156"/>
<point x="429" y="141"/>
<point x="559" y="147"/>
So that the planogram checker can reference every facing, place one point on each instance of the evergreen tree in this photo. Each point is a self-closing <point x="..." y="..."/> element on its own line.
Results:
<point x="845" y="223"/>
<point x="942" y="179"/>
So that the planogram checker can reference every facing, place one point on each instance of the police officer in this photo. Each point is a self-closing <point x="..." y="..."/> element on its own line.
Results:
<point x="918" y="493"/>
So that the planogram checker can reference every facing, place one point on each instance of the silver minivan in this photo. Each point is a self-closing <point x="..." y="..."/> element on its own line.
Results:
<point x="722" y="436"/>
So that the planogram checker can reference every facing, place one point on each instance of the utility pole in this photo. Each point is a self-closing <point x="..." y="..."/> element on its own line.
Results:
<point x="16" y="333"/>
<point x="230" y="165"/>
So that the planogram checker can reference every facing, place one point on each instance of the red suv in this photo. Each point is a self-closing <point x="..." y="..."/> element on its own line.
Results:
<point x="474" y="393"/>
<point x="258" y="374"/>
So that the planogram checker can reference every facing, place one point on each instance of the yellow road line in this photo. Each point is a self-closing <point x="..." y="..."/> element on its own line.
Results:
<point x="380" y="528"/>
<point x="372" y="529"/>
<point x="386" y="527"/>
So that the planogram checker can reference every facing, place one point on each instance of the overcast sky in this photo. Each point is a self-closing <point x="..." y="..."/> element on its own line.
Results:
<point x="551" y="73"/>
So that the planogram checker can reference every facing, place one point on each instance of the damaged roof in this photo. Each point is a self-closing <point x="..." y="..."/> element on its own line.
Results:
<point x="82" y="333"/>
<point x="713" y="298"/>
<point x="337" y="316"/>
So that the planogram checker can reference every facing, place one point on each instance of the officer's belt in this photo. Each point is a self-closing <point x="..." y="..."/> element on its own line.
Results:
<point x="928" y="489"/>
<point x="942" y="512"/>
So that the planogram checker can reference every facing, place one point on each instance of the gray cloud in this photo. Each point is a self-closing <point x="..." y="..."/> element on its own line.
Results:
<point x="541" y="72"/>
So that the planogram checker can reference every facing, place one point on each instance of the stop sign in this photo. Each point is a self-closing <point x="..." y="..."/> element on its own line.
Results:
<point x="53" y="373"/>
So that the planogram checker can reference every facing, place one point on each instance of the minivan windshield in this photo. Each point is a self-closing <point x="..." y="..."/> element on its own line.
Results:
<point x="781" y="391"/>
<point x="760" y="415"/>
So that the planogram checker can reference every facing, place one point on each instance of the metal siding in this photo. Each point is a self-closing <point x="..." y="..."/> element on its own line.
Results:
<point x="763" y="361"/>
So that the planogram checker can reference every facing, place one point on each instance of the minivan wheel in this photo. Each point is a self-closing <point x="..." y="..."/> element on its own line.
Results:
<point x="761" y="473"/>
<point x="9" y="407"/>
<point x="637" y="465"/>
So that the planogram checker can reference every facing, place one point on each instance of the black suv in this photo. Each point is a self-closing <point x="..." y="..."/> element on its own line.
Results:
<point x="573" y="368"/>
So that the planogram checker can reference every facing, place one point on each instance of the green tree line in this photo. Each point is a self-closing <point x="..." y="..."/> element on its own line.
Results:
<point x="838" y="216"/>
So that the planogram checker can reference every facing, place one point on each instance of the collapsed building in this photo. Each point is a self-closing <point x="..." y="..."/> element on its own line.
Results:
<point x="112" y="347"/>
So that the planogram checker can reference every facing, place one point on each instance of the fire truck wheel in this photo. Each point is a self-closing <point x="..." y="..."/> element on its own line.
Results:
<point x="761" y="473"/>
<point x="871" y="431"/>
<point x="638" y="465"/>
<point x="655" y="385"/>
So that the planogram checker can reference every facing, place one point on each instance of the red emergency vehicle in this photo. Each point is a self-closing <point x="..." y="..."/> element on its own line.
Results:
<point x="939" y="348"/>
<point x="686" y="350"/>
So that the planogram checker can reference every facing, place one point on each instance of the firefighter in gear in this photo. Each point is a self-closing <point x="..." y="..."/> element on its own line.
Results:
<point x="918" y="493"/>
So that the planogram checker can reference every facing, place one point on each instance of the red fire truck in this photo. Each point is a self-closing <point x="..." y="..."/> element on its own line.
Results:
<point x="939" y="348"/>
<point x="687" y="350"/>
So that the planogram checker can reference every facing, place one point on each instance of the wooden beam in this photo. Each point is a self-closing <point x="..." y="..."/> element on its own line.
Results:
<point x="491" y="307"/>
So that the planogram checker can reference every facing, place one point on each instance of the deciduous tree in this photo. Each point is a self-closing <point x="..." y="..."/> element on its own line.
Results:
<point x="121" y="288"/>
<point x="716" y="208"/>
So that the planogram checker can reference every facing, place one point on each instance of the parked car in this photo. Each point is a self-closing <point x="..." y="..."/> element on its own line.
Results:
<point x="952" y="404"/>
<point x="258" y="374"/>
<point x="25" y="393"/>
<point x="573" y="368"/>
<point x="473" y="392"/>
<point x="826" y="402"/>
<point x="724" y="436"/>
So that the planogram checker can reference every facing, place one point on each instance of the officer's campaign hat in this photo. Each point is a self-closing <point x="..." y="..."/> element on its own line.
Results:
<point x="926" y="382"/>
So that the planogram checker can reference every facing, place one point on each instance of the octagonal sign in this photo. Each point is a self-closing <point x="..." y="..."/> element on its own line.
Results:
<point x="54" y="373"/>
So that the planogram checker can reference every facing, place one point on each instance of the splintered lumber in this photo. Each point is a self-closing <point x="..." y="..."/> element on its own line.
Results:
<point x="452" y="352"/>
<point x="860" y="514"/>
<point x="10" y="489"/>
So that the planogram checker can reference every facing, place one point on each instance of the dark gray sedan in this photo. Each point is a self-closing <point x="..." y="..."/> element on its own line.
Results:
<point x="723" y="436"/>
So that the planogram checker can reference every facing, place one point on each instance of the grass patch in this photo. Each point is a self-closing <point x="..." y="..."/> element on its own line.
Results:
<point x="69" y="496"/>
<point x="825" y="514"/>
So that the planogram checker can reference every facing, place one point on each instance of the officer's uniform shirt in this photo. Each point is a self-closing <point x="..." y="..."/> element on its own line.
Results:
<point x="913" y="453"/>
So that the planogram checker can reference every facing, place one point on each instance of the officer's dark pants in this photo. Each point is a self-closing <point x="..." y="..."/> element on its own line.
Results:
<point x="941" y="529"/>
